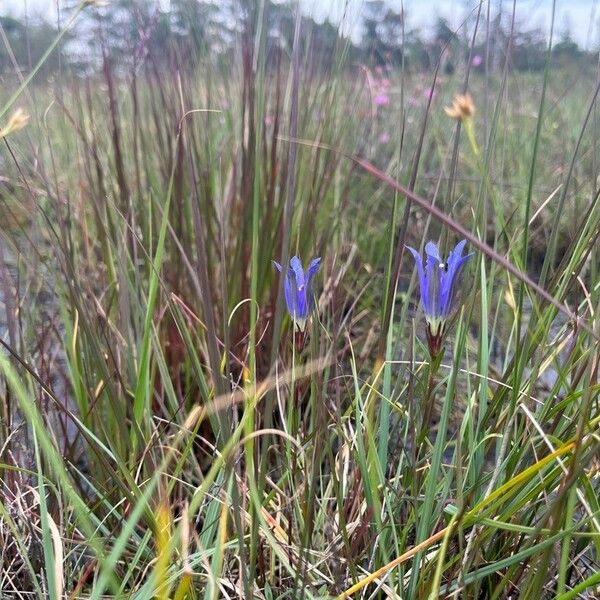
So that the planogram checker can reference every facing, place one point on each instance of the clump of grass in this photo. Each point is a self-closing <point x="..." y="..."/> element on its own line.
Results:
<point x="200" y="447"/>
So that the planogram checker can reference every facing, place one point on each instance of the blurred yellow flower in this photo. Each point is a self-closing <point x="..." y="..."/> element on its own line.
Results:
<point x="17" y="121"/>
<point x="462" y="107"/>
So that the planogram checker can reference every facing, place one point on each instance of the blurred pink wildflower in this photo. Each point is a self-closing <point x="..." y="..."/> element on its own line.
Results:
<point x="381" y="99"/>
<point x="384" y="138"/>
<point x="429" y="93"/>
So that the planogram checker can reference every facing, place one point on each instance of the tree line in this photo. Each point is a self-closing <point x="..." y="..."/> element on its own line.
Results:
<point x="128" y="31"/>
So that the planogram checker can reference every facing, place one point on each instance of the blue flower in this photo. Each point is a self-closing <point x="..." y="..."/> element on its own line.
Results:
<point x="299" y="296"/>
<point x="439" y="282"/>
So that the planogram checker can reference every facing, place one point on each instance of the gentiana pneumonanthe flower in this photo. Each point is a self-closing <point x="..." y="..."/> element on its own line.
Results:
<point x="439" y="282"/>
<point x="299" y="295"/>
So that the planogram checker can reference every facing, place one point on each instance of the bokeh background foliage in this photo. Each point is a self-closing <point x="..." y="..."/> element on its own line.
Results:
<point x="164" y="431"/>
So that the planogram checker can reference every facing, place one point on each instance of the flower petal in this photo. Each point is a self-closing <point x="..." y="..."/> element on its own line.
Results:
<point x="432" y="251"/>
<point x="296" y="265"/>
<point x="315" y="263"/>
<point x="450" y="278"/>
<point x="432" y="276"/>
<point x="290" y="288"/>
<point x="422" y="278"/>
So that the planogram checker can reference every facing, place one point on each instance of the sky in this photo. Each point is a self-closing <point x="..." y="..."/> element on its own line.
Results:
<point x="582" y="17"/>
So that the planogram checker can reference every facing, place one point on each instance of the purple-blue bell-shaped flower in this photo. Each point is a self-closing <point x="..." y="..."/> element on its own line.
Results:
<point x="299" y="297"/>
<point x="439" y="282"/>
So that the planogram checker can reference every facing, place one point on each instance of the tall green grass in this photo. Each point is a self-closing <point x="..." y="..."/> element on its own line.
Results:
<point x="211" y="452"/>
